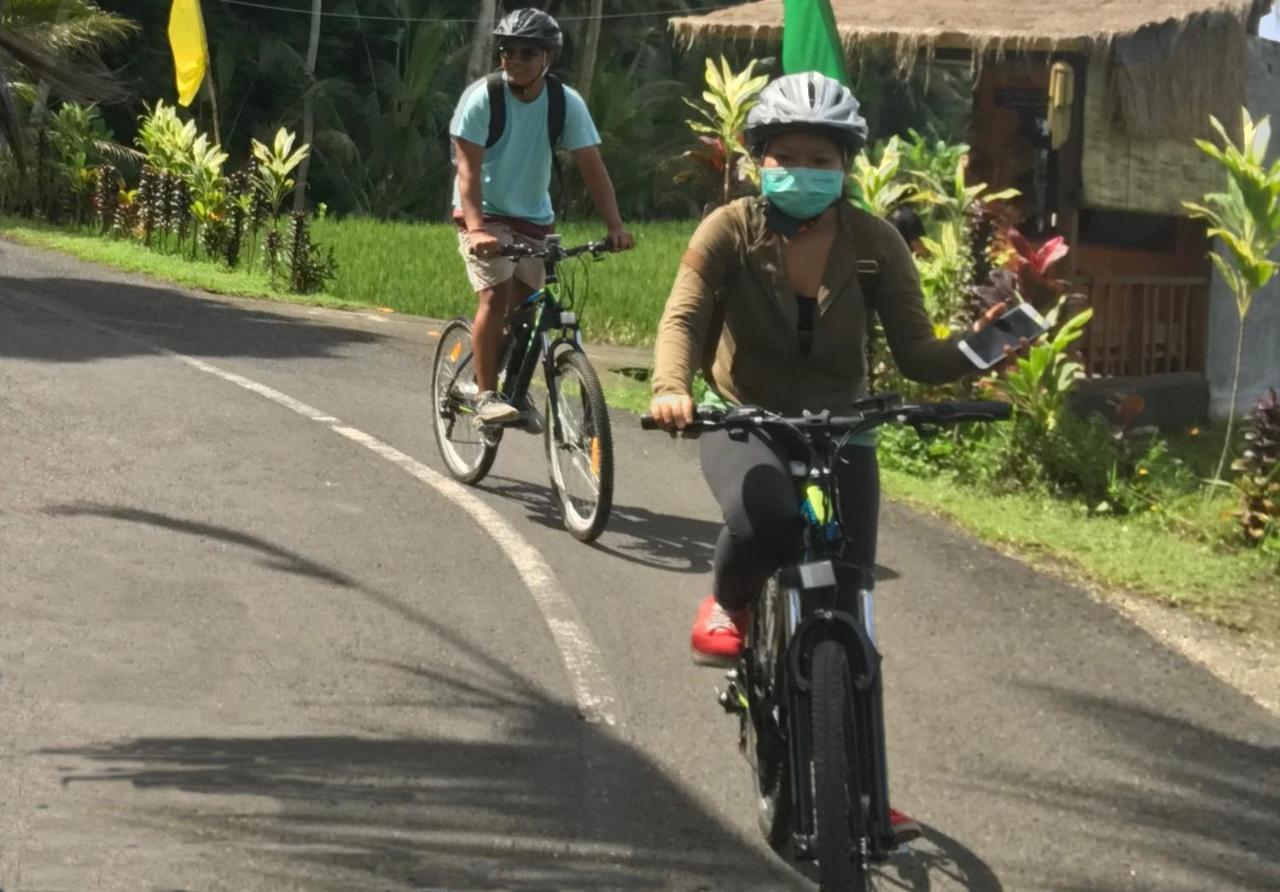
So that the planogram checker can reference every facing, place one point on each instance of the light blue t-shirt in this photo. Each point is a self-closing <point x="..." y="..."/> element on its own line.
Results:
<point x="516" y="177"/>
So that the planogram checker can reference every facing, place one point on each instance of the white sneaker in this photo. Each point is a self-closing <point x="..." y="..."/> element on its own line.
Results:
<point x="493" y="409"/>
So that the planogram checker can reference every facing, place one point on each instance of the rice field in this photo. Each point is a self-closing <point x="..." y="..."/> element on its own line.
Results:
<point x="415" y="268"/>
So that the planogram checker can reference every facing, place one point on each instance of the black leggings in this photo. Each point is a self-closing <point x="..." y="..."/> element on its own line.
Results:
<point x="750" y="478"/>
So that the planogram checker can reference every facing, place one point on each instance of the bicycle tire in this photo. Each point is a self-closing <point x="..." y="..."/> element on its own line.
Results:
<point x="598" y="436"/>
<point x="836" y="797"/>
<point x="471" y="466"/>
<point x="771" y="769"/>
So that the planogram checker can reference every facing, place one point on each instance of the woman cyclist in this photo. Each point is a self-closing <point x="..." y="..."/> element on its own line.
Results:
<point x="768" y="304"/>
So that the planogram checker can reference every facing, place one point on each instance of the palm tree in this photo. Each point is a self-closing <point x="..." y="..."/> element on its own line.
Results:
<point x="52" y="42"/>
<point x="590" y="50"/>
<point x="308" y="108"/>
<point x="482" y="41"/>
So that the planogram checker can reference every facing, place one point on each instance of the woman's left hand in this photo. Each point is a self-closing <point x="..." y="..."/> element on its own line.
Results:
<point x="1010" y="353"/>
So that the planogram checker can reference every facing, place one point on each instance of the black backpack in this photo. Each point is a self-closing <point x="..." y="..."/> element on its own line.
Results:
<point x="555" y="124"/>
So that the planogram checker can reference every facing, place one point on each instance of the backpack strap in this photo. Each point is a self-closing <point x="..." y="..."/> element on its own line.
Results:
<point x="555" y="130"/>
<point x="555" y="110"/>
<point x="869" y="282"/>
<point x="497" y="108"/>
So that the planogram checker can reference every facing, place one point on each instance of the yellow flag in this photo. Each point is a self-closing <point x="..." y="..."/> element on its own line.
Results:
<point x="190" y="52"/>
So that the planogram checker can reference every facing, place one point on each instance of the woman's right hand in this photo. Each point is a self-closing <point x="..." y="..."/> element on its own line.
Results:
<point x="672" y="412"/>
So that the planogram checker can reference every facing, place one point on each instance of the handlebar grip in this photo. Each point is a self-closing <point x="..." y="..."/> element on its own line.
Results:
<point x="976" y="409"/>
<point x="648" y="423"/>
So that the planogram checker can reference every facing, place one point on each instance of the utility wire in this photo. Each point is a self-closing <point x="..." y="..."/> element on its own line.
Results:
<point x="395" y="18"/>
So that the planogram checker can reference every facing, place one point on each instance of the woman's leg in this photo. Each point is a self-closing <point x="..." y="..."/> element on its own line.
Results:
<point x="763" y="529"/>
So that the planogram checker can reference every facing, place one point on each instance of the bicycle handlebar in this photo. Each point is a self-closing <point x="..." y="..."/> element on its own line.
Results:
<point x="519" y="250"/>
<point x="876" y="412"/>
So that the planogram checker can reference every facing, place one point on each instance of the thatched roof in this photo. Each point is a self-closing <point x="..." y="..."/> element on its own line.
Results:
<point x="966" y="24"/>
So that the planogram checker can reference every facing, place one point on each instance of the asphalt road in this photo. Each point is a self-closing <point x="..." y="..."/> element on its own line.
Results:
<point x="242" y="648"/>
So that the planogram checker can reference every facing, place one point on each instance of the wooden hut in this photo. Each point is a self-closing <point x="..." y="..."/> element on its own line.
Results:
<point x="1089" y="107"/>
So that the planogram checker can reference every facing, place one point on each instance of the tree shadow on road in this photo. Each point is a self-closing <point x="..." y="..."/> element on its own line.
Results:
<point x="272" y="556"/>
<point x="152" y="316"/>
<point x="1182" y="793"/>
<point x="544" y="800"/>
<point x="537" y="798"/>
<point x="638" y="535"/>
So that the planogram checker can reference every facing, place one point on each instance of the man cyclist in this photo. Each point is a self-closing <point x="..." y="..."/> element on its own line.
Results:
<point x="501" y="196"/>
<point x="768" y="304"/>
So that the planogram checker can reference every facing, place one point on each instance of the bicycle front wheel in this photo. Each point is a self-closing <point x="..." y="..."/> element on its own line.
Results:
<point x="838" y="812"/>
<point x="579" y="446"/>
<point x="468" y="451"/>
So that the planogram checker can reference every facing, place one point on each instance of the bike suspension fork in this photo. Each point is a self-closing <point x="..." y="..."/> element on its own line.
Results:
<point x="876" y="773"/>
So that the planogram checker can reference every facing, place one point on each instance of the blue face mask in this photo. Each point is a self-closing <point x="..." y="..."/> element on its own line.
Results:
<point x="801" y="192"/>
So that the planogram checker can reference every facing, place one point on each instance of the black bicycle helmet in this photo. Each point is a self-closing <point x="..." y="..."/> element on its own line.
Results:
<point x="806" y="101"/>
<point x="532" y="25"/>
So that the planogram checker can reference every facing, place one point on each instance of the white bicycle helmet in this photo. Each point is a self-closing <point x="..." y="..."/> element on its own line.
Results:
<point x="806" y="101"/>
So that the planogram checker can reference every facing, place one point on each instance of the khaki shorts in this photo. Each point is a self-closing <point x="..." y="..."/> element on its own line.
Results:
<point x="490" y="272"/>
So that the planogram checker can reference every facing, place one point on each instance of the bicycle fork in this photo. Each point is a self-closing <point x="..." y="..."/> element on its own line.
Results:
<point x="852" y="622"/>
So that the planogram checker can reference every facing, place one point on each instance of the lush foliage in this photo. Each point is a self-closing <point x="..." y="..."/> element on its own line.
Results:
<point x="1246" y="219"/>
<point x="1258" y="480"/>
<point x="728" y="98"/>
<point x="185" y="202"/>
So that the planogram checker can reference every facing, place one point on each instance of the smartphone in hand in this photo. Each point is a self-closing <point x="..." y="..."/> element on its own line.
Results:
<point x="986" y="348"/>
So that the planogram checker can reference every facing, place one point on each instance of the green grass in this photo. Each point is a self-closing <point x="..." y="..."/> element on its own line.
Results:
<point x="1240" y="590"/>
<point x="412" y="268"/>
<point x="134" y="258"/>
<point x="415" y="268"/>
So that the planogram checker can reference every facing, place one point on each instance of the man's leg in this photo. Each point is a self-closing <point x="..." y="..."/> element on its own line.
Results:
<point x="493" y="305"/>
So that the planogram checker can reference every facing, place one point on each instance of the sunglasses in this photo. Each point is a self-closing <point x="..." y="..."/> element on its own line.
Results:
<point x="523" y="53"/>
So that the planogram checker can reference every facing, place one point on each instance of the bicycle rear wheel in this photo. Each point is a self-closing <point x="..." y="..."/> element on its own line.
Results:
<point x="838" y="812"/>
<point x="468" y="450"/>
<point x="579" y="444"/>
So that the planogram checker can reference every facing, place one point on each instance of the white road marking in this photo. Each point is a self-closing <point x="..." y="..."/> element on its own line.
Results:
<point x="593" y="688"/>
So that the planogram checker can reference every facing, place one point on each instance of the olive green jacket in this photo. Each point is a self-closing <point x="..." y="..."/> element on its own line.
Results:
<point x="732" y="314"/>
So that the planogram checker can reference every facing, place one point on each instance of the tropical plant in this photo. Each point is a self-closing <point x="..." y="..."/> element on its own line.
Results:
<point x="208" y="184"/>
<point x="1033" y="265"/>
<point x="276" y="164"/>
<point x="728" y="98"/>
<point x="946" y="271"/>
<point x="310" y="268"/>
<point x="1039" y="383"/>
<point x="878" y="186"/>
<point x="1258" y="479"/>
<point x="1246" y="219"/>
<point x="931" y="157"/>
<point x="951" y="196"/>
<point x="165" y="139"/>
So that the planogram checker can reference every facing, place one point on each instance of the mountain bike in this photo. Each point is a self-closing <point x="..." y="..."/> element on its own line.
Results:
<point x="808" y="688"/>
<point x="579" y="443"/>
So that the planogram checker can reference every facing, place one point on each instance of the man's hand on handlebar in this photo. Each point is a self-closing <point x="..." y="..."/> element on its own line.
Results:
<point x="672" y="412"/>
<point x="620" y="239"/>
<point x="482" y="243"/>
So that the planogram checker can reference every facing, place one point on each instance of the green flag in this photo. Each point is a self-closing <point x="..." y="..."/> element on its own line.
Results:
<point x="810" y="41"/>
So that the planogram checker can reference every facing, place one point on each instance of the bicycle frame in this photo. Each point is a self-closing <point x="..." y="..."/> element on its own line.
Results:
<point x="541" y="336"/>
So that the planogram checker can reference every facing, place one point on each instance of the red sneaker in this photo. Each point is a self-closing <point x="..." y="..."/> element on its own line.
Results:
<point x="904" y="828"/>
<point x="718" y="633"/>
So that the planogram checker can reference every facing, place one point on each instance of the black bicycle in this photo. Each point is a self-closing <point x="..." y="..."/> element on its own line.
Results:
<point x="808" y="689"/>
<point x="579" y="443"/>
